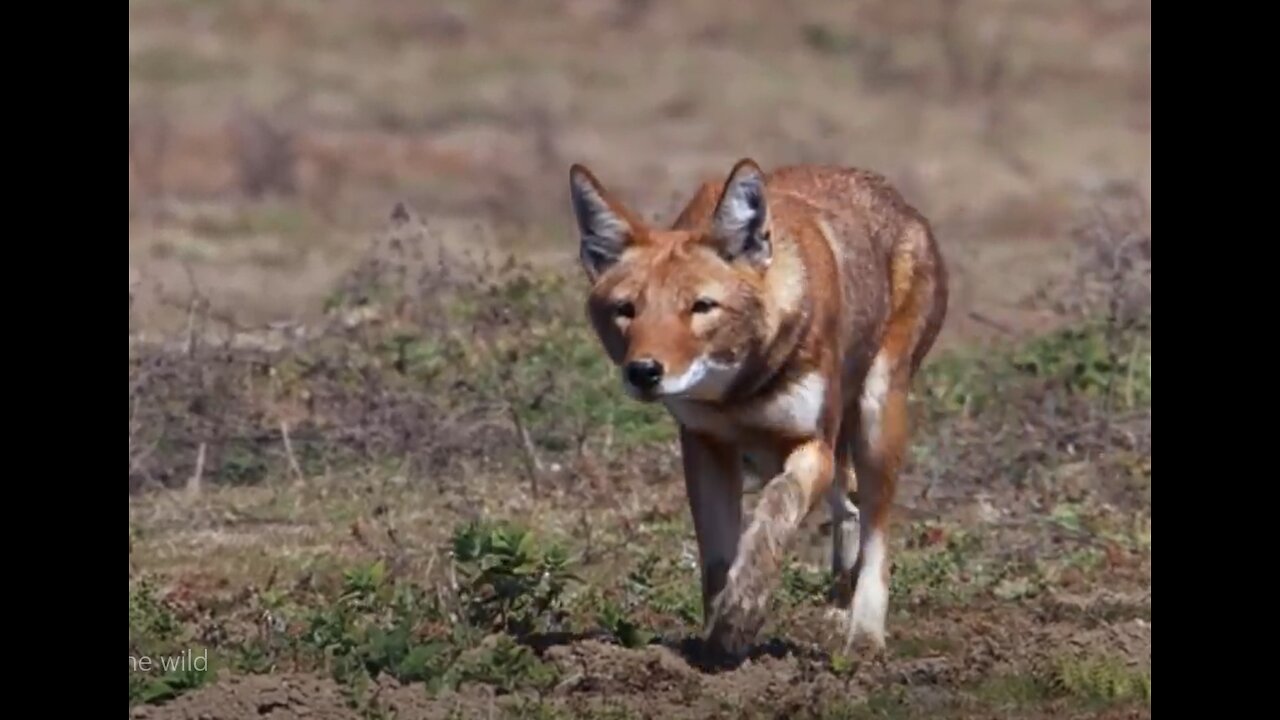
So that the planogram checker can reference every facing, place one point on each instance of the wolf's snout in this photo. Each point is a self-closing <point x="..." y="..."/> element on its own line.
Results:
<point x="644" y="374"/>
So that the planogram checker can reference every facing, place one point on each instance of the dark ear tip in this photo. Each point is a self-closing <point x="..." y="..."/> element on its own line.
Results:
<point x="400" y="213"/>
<point x="744" y="166"/>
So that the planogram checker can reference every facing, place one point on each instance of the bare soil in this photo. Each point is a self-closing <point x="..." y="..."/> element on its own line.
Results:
<point x="781" y="681"/>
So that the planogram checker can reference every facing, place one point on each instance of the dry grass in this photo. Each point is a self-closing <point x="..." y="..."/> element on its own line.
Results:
<point x="994" y="116"/>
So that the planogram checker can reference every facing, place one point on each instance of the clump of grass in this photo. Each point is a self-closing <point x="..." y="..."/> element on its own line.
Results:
<point x="1096" y="680"/>
<point x="1099" y="679"/>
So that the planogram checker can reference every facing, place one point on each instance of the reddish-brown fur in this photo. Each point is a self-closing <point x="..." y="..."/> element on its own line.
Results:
<point x="781" y="317"/>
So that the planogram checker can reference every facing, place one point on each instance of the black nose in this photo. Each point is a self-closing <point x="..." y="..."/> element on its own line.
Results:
<point x="644" y="374"/>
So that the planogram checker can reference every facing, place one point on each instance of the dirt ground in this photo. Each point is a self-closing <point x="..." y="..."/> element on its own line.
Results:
<point x="269" y="143"/>
<point x="1013" y="597"/>
<point x="1001" y="653"/>
<point x="658" y="682"/>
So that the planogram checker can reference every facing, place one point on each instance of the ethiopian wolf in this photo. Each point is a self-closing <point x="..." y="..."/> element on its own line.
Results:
<point x="780" y="319"/>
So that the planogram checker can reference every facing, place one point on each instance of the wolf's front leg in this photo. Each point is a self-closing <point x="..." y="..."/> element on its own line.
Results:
<point x="739" y="610"/>
<point x="713" y="480"/>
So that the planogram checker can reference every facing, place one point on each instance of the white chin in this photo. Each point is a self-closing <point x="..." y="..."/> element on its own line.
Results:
<point x="705" y="379"/>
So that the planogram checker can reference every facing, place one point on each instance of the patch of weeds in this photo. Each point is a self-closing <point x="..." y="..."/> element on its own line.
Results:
<point x="374" y="627"/>
<point x="504" y="664"/>
<point x="1101" y="679"/>
<point x="619" y="623"/>
<point x="663" y="587"/>
<point x="421" y="357"/>
<point x="254" y="657"/>
<point x="1094" y="680"/>
<point x="804" y="585"/>
<point x="533" y="709"/>
<point x="613" y="712"/>
<point x="144" y="689"/>
<point x="1016" y="588"/>
<point x="509" y="581"/>
<point x="960" y="382"/>
<point x="917" y="646"/>
<point x="377" y="625"/>
<point x="241" y="463"/>
<point x="1012" y="691"/>
<point x="922" y="576"/>
<point x="1016" y="581"/>
<point x="1069" y="516"/>
<point x="367" y="623"/>
<point x="885" y="704"/>
<point x="1087" y="559"/>
<point x="937" y="566"/>
<point x="151" y="619"/>
<point x="1093" y="359"/>
<point x="441" y="364"/>
<point x="362" y="696"/>
<point x="843" y="666"/>
<point x="682" y="601"/>
<point x="162" y="664"/>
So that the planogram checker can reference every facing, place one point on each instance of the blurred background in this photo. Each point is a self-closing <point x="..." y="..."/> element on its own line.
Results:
<point x="269" y="140"/>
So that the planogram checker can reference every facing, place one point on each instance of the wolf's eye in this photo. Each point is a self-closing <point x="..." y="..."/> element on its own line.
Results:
<point x="702" y="305"/>
<point x="624" y="309"/>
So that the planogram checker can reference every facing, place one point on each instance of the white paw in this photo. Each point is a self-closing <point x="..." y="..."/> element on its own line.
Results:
<point x="867" y="615"/>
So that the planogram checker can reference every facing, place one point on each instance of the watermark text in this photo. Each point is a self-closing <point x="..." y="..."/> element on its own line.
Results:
<point x="185" y="661"/>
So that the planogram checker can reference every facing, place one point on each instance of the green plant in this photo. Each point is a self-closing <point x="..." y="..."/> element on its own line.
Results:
<point x="509" y="582"/>
<point x="1100" y="679"/>
<point x="802" y="584"/>
<point x="618" y="623"/>
<point x="503" y="663"/>
<point x="151" y="619"/>
<point x="939" y="569"/>
<point x="378" y="626"/>
<point x="1093" y="359"/>
<point x="661" y="585"/>
<point x="145" y="689"/>
<point x="161" y="664"/>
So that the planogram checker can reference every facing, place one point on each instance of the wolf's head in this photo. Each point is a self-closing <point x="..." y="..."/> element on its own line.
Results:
<point x="679" y="311"/>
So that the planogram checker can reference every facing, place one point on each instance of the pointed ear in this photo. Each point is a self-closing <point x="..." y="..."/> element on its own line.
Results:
<point x="605" y="227"/>
<point x="740" y="225"/>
